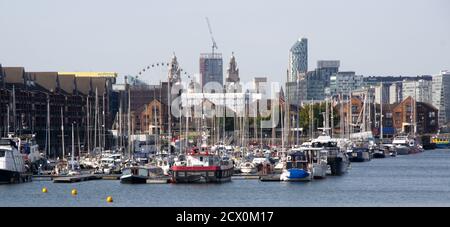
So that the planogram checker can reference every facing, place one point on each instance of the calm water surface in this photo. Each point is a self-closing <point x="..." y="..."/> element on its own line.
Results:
<point x="413" y="180"/>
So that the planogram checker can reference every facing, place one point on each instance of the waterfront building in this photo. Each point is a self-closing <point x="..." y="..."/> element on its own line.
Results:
<point x="211" y="68"/>
<point x="424" y="118"/>
<point x="441" y="96"/>
<point x="25" y="96"/>
<point x="397" y="118"/>
<point x="344" y="83"/>
<point x="420" y="90"/>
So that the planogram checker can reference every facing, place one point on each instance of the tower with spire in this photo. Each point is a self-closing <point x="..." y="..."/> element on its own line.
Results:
<point x="232" y="79"/>
<point x="174" y="70"/>
<point x="232" y="71"/>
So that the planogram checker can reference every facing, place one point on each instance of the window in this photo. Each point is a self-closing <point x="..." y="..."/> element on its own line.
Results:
<point x="2" y="153"/>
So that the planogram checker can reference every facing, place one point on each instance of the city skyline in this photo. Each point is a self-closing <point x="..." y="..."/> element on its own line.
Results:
<point x="370" y="38"/>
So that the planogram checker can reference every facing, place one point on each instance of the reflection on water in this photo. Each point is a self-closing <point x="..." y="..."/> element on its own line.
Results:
<point x="413" y="180"/>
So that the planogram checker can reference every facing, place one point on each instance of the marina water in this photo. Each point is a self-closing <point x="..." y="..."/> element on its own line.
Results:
<point x="421" y="179"/>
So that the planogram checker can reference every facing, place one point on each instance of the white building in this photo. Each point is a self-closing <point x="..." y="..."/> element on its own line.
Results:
<point x="382" y="92"/>
<point x="441" y="96"/>
<point x="419" y="90"/>
<point x="395" y="93"/>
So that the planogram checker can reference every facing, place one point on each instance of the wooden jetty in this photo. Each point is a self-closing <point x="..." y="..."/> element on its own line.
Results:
<point x="245" y="177"/>
<point x="110" y="177"/>
<point x="270" y="177"/>
<point x="77" y="178"/>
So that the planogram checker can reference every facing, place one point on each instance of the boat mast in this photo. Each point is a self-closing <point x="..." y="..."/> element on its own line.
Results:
<point x="104" y="123"/>
<point x="332" y="117"/>
<point x="88" y="109"/>
<point x="187" y="126"/>
<point x="282" y="127"/>
<point x="350" y="115"/>
<point x="73" y="148"/>
<point x="14" y="108"/>
<point x="96" y="118"/>
<point x="415" y="114"/>
<point x="341" y="110"/>
<point x="224" y="115"/>
<point x="312" y="119"/>
<point x="48" y="126"/>
<point x="62" y="133"/>
<point x="120" y="124"/>
<point x="129" y="122"/>
<point x="381" y="113"/>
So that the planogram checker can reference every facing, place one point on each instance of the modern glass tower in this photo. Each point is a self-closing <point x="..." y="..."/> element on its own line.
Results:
<point x="298" y="59"/>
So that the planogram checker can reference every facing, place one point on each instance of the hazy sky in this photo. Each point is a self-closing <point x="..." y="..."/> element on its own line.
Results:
<point x="385" y="37"/>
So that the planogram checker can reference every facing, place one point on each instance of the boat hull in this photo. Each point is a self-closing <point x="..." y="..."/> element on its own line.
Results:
<point x="248" y="169"/>
<point x="7" y="177"/>
<point x="403" y="150"/>
<point x="319" y="171"/>
<point x="199" y="175"/>
<point x="442" y="145"/>
<point x="295" y="175"/>
<point x="359" y="156"/>
<point x="131" y="179"/>
<point x="338" y="166"/>
<point x="379" y="155"/>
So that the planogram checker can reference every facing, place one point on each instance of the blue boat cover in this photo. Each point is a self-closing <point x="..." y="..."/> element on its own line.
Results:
<point x="297" y="173"/>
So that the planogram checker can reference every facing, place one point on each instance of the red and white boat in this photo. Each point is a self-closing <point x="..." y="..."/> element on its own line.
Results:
<point x="201" y="165"/>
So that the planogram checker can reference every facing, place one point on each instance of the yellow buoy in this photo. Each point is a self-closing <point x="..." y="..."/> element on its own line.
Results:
<point x="44" y="190"/>
<point x="74" y="192"/>
<point x="109" y="199"/>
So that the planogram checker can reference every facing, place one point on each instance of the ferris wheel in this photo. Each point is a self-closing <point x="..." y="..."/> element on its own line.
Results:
<point x="158" y="71"/>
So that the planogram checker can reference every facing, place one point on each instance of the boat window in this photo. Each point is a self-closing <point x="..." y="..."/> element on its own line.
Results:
<point x="126" y="172"/>
<point x="143" y="172"/>
<point x="201" y="159"/>
<point x="2" y="153"/>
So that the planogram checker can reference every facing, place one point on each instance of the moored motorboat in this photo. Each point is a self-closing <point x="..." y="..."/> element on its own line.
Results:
<point x="298" y="168"/>
<point x="247" y="167"/>
<point x="337" y="159"/>
<point x="139" y="174"/>
<point x="402" y="145"/>
<point x="359" y="154"/>
<point x="12" y="165"/>
<point x="202" y="166"/>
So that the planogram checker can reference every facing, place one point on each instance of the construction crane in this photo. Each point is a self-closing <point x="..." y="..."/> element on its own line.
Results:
<point x="214" y="45"/>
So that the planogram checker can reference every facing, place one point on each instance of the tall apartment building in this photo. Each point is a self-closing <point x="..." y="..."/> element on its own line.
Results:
<point x="441" y="96"/>
<point x="420" y="90"/>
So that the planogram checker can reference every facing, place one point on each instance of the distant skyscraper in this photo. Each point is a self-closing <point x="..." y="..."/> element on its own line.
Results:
<point x="441" y="96"/>
<point x="211" y="68"/>
<point x="298" y="59"/>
